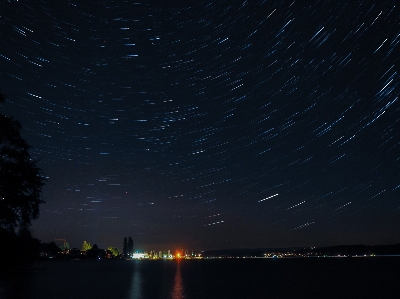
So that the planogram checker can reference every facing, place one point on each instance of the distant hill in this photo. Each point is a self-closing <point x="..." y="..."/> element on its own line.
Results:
<point x="244" y="252"/>
<point x="356" y="250"/>
<point x="350" y="250"/>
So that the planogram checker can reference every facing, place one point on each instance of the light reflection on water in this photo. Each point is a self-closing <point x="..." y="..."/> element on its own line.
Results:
<point x="213" y="279"/>
<point x="136" y="285"/>
<point x="178" y="290"/>
<point x="149" y="279"/>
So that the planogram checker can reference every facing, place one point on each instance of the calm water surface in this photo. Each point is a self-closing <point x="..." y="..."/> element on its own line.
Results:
<point x="377" y="277"/>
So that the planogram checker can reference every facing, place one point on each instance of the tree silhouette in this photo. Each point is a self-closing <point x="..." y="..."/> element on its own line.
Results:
<point x="21" y="181"/>
<point x="65" y="246"/>
<point x="21" y="184"/>
<point x="93" y="252"/>
<point x="130" y="246"/>
<point x="50" y="249"/>
<point x="125" y="248"/>
<point x="113" y="250"/>
<point x="86" y="246"/>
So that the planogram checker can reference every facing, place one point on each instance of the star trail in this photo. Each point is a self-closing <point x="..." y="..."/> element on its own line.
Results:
<point x="209" y="124"/>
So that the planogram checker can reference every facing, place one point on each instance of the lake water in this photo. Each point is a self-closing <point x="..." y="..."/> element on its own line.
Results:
<point x="374" y="277"/>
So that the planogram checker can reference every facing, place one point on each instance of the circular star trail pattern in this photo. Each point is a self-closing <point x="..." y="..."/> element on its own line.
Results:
<point x="209" y="124"/>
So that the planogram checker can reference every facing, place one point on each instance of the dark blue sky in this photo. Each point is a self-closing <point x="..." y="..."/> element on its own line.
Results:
<point x="209" y="125"/>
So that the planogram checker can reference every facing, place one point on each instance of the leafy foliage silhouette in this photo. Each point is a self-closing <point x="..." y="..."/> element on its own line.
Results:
<point x="21" y="183"/>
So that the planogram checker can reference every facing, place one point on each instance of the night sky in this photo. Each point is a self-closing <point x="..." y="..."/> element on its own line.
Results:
<point x="209" y="124"/>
